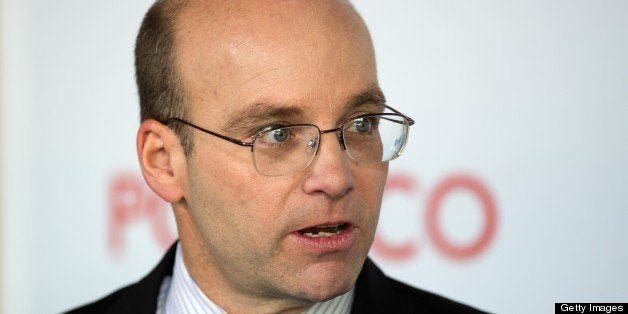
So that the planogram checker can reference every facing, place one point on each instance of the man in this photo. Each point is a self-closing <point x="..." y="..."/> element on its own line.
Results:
<point x="264" y="126"/>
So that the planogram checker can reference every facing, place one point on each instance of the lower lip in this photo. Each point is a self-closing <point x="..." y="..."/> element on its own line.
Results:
<point x="334" y="243"/>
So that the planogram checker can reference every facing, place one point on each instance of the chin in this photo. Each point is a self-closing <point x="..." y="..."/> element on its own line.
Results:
<point x="324" y="281"/>
<point x="325" y="294"/>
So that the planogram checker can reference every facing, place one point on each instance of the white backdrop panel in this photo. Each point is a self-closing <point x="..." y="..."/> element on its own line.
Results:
<point x="510" y="195"/>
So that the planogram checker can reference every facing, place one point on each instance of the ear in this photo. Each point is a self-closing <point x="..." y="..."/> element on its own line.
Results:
<point x="162" y="160"/>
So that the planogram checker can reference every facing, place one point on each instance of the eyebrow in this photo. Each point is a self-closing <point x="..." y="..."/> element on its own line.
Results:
<point x="371" y="96"/>
<point x="258" y="113"/>
<point x="261" y="112"/>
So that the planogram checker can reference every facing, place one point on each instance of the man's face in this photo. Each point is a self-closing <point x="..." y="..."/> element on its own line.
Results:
<point x="275" y="64"/>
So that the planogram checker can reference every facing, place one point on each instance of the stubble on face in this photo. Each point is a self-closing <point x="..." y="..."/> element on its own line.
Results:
<point x="237" y="227"/>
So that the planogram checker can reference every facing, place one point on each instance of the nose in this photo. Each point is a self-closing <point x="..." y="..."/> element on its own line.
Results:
<point x="330" y="171"/>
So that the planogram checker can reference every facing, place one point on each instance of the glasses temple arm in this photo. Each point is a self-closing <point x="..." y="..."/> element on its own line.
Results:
<point x="232" y="140"/>
<point x="410" y="120"/>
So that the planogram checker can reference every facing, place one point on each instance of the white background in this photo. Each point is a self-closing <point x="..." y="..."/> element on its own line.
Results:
<point x="529" y="97"/>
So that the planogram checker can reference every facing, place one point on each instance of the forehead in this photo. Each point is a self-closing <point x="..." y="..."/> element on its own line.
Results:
<point x="308" y="54"/>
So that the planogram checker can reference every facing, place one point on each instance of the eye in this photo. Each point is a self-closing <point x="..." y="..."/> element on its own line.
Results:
<point x="361" y="125"/>
<point x="276" y="136"/>
<point x="280" y="135"/>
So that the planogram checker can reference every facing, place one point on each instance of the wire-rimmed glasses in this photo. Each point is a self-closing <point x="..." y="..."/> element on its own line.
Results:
<point x="283" y="150"/>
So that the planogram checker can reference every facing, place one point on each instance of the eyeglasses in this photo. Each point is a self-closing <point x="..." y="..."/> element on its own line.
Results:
<point x="283" y="150"/>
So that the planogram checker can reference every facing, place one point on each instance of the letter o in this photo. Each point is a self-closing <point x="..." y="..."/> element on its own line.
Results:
<point x="440" y="193"/>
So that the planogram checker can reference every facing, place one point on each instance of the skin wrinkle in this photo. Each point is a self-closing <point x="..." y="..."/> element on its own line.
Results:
<point x="235" y="224"/>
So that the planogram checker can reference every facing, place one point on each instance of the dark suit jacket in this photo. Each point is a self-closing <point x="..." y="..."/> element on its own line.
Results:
<point x="374" y="293"/>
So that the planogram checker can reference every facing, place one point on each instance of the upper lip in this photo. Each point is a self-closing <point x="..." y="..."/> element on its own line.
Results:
<point x="325" y="224"/>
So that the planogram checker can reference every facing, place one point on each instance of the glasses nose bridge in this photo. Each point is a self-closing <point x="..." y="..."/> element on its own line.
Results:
<point x="339" y="136"/>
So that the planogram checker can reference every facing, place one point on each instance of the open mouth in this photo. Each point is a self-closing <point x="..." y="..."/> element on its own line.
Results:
<point x="324" y="231"/>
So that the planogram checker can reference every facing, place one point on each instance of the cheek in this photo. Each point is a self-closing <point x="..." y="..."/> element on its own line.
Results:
<point x="215" y="196"/>
<point x="234" y="198"/>
<point x="370" y="181"/>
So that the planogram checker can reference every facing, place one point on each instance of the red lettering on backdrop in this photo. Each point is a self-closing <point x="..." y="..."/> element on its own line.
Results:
<point x="407" y="185"/>
<point x="131" y="201"/>
<point x="406" y="250"/>
<point x="442" y="190"/>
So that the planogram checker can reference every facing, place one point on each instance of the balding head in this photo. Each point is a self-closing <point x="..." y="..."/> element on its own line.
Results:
<point x="186" y="48"/>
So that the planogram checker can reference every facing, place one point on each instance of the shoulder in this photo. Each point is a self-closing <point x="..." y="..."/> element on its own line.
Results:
<point x="140" y="297"/>
<point x="103" y="305"/>
<point x="377" y="293"/>
<point x="416" y="299"/>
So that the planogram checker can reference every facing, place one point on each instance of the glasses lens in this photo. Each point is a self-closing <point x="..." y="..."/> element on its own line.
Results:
<point x="282" y="151"/>
<point x="376" y="138"/>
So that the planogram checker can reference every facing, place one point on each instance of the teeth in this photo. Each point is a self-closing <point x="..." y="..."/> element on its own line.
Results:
<point x="321" y="234"/>
<point x="323" y="231"/>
